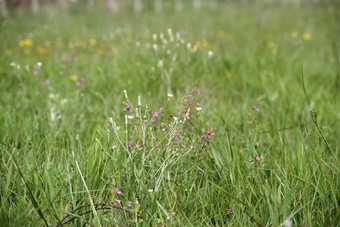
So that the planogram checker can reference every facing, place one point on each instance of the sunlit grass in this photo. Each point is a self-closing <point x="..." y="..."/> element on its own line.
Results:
<point x="233" y="143"/>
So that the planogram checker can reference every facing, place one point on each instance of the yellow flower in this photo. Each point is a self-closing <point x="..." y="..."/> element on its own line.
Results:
<point x="92" y="42"/>
<point x="220" y="33"/>
<point x="306" y="37"/>
<point x="274" y="50"/>
<point x="71" y="45"/>
<point x="25" y="43"/>
<point x="42" y="50"/>
<point x="100" y="52"/>
<point x="47" y="44"/>
<point x="294" y="33"/>
<point x="270" y="44"/>
<point x="74" y="78"/>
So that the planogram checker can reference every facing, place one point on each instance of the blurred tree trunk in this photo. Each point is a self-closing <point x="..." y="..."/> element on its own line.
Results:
<point x="197" y="4"/>
<point x="137" y="6"/>
<point x="4" y="9"/>
<point x="158" y="6"/>
<point x="35" y="7"/>
<point x="113" y="6"/>
<point x="178" y="5"/>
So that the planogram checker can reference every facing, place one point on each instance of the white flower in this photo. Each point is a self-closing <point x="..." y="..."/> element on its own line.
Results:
<point x="160" y="63"/>
<point x="150" y="190"/>
<point x="169" y="31"/>
<point x="130" y="117"/>
<point x="168" y="51"/>
<point x="137" y="43"/>
<point x="189" y="46"/>
<point x="12" y="64"/>
<point x="155" y="46"/>
<point x="198" y="108"/>
<point x="210" y="53"/>
<point x="170" y="95"/>
<point x="114" y="147"/>
<point x="154" y="37"/>
<point x="39" y="64"/>
<point x="287" y="223"/>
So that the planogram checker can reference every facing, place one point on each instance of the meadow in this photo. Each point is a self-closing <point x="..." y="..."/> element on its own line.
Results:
<point x="221" y="117"/>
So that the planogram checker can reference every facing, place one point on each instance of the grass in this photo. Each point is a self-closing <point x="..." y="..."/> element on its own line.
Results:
<point x="56" y="144"/>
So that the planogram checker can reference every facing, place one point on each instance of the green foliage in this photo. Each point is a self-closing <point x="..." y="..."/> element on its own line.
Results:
<point x="270" y="160"/>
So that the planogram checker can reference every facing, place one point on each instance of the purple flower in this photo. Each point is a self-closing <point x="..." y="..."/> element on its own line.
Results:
<point x="116" y="201"/>
<point x="117" y="190"/>
<point x="156" y="148"/>
<point x="78" y="83"/>
<point x="47" y="81"/>
<point x="154" y="113"/>
<point x="251" y="162"/>
<point x="164" y="128"/>
<point x="140" y="144"/>
<point x="198" y="91"/>
<point x="154" y="119"/>
<point x="35" y="72"/>
<point x="109" y="123"/>
<point x="177" y="133"/>
<point x="130" y="143"/>
<point x="255" y="108"/>
<point x="257" y="158"/>
<point x="127" y="107"/>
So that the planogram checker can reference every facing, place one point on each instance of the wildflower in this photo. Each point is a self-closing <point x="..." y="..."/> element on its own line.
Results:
<point x="38" y="65"/>
<point x="47" y="44"/>
<point x="140" y="144"/>
<point x="160" y="63"/>
<point x="287" y="223"/>
<point x="210" y="53"/>
<point x="294" y="33"/>
<point x="306" y="37"/>
<point x="47" y="81"/>
<point x="154" y="37"/>
<point x="114" y="147"/>
<point x="35" y="72"/>
<point x="154" y="119"/>
<point x="154" y="113"/>
<point x="25" y="43"/>
<point x="26" y="67"/>
<point x="117" y="190"/>
<point x="92" y="42"/>
<point x="116" y="201"/>
<point x="270" y="45"/>
<point x="128" y="204"/>
<point x="127" y="107"/>
<point x="78" y="83"/>
<point x="177" y="133"/>
<point x="109" y="123"/>
<point x="251" y="162"/>
<point x="12" y="64"/>
<point x="255" y="108"/>
<point x="170" y="95"/>
<point x="155" y="46"/>
<point x="164" y="128"/>
<point x="198" y="91"/>
<point x="220" y="33"/>
<point x="257" y="158"/>
<point x="150" y="190"/>
<point x="74" y="77"/>
<point x="130" y="117"/>
<point x="198" y="108"/>
<point x="156" y="148"/>
<point x="130" y="143"/>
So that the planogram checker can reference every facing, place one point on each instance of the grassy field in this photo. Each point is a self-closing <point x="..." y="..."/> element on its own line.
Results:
<point x="214" y="127"/>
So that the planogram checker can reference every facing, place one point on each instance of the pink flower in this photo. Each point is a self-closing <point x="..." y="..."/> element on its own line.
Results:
<point x="117" y="190"/>
<point x="154" y="119"/>
<point x="255" y="108"/>
<point x="164" y="128"/>
<point x="177" y="133"/>
<point x="198" y="91"/>
<point x="127" y="107"/>
<point x="116" y="201"/>
<point x="140" y="144"/>
<point x="78" y="83"/>
<point x="156" y="148"/>
<point x="257" y="158"/>
<point x="109" y="123"/>
<point x="154" y="113"/>
<point x="130" y="143"/>
<point x="251" y="162"/>
<point x="35" y="72"/>
<point x="47" y="81"/>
